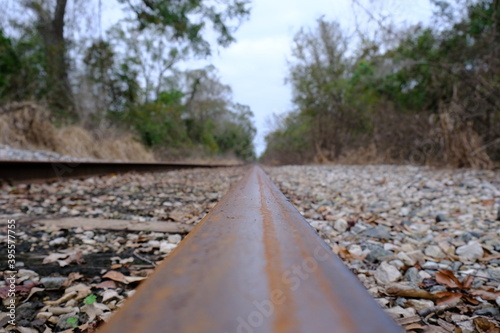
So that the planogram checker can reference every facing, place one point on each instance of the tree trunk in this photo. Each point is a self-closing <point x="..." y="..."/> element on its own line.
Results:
<point x="50" y="25"/>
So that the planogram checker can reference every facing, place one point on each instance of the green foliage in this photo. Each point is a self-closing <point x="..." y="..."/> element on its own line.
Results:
<point x="433" y="87"/>
<point x="159" y="122"/>
<point x="128" y="77"/>
<point x="90" y="299"/>
<point x="73" y="321"/>
<point x="186" y="20"/>
<point x="22" y="67"/>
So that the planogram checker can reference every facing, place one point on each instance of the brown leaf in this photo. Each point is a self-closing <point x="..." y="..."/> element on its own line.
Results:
<point x="490" y="257"/>
<point x="116" y="276"/>
<point x="20" y="289"/>
<point x="414" y="326"/>
<point x="75" y="257"/>
<point x="448" y="297"/>
<point x="73" y="276"/>
<point x="484" y="325"/>
<point x="404" y="291"/>
<point x="489" y="202"/>
<point x="488" y="295"/>
<point x="33" y="291"/>
<point x="447" y="278"/>
<point x="108" y="284"/>
<point x="467" y="283"/>
<point x="470" y="299"/>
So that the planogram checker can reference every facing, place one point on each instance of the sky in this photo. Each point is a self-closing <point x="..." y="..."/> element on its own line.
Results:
<point x="255" y="66"/>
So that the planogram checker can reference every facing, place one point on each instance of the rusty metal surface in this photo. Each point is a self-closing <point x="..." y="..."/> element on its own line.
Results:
<point x="33" y="171"/>
<point x="252" y="265"/>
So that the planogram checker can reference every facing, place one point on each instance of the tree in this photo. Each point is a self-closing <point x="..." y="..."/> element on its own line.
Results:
<point x="186" y="20"/>
<point x="179" y="25"/>
<point x="50" y="25"/>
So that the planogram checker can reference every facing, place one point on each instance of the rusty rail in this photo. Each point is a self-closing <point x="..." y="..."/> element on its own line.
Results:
<point x="253" y="264"/>
<point x="33" y="171"/>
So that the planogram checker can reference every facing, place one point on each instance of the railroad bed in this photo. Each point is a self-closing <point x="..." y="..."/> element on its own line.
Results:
<point x="382" y="221"/>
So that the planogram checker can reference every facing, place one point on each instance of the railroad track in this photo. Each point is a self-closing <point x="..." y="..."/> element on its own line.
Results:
<point x="14" y="172"/>
<point x="253" y="264"/>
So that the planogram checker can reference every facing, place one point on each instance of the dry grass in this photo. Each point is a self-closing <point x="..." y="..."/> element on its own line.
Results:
<point x="26" y="125"/>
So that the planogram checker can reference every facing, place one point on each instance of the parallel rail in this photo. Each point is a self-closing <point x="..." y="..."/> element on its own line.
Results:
<point x="253" y="264"/>
<point x="34" y="171"/>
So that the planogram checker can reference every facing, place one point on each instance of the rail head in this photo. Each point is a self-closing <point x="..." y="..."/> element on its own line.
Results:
<point x="253" y="264"/>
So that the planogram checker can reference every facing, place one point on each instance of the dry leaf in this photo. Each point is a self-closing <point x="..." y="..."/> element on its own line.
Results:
<point x="73" y="276"/>
<point x="116" y="276"/>
<point x="93" y="310"/>
<point x="108" y="284"/>
<point x="109" y="294"/>
<point x="488" y="295"/>
<point x="448" y="297"/>
<point x="467" y="283"/>
<point x="490" y="257"/>
<point x="131" y="279"/>
<point x="64" y="298"/>
<point x="33" y="290"/>
<point x="406" y="291"/>
<point x="20" y="289"/>
<point x="414" y="326"/>
<point x="447" y="278"/>
<point x="53" y="257"/>
<point x="484" y="325"/>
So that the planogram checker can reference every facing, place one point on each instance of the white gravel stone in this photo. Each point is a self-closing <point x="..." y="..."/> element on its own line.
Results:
<point x="387" y="273"/>
<point x="435" y="252"/>
<point x="174" y="239"/>
<point x="472" y="251"/>
<point x="406" y="259"/>
<point x="340" y="225"/>
<point x="398" y="312"/>
<point x="58" y="241"/>
<point x="154" y="244"/>
<point x="166" y="247"/>
<point x="419" y="304"/>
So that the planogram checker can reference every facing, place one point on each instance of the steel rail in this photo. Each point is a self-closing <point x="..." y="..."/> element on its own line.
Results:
<point x="34" y="171"/>
<point x="253" y="264"/>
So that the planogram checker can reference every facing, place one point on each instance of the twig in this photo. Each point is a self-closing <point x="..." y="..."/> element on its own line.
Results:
<point x="436" y="309"/>
<point x="479" y="276"/>
<point x="135" y="254"/>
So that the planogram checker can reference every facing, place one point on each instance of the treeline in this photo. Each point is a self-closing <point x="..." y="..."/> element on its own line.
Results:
<point x="424" y="95"/>
<point x="127" y="78"/>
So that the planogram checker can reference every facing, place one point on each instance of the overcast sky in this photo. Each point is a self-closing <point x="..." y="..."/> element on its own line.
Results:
<point x="256" y="65"/>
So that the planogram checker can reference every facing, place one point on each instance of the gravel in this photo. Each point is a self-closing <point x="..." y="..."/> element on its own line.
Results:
<point x="405" y="225"/>
<point x="398" y="228"/>
<point x="13" y="154"/>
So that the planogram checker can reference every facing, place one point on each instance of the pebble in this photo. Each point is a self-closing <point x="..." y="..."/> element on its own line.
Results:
<point x="9" y="153"/>
<point x="412" y="274"/>
<point x="340" y="225"/>
<point x="52" y="282"/>
<point x="166" y="247"/>
<point x="419" y="304"/>
<point x="58" y="241"/>
<point x="174" y="239"/>
<point x="434" y="251"/>
<point x="378" y="232"/>
<point x="472" y="251"/>
<point x="415" y="217"/>
<point x="494" y="273"/>
<point x="489" y="311"/>
<point x="386" y="273"/>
